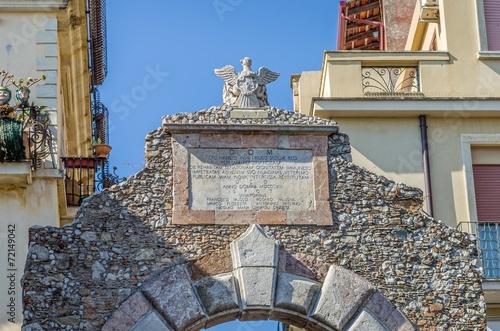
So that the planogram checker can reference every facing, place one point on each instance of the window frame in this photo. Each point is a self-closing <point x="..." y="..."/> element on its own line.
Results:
<point x="467" y="141"/>
<point x="484" y="53"/>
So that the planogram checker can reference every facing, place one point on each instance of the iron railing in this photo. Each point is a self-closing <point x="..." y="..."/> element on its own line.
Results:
<point x="97" y="40"/>
<point x="390" y="79"/>
<point x="83" y="176"/>
<point x="25" y="135"/>
<point x="488" y="240"/>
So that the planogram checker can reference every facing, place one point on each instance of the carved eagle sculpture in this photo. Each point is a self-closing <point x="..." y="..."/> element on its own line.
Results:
<point x="246" y="89"/>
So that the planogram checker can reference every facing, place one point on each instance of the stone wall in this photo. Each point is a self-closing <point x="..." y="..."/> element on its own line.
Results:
<point x="78" y="275"/>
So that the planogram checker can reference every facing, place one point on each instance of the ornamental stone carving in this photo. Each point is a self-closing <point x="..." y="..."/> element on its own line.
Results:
<point x="245" y="89"/>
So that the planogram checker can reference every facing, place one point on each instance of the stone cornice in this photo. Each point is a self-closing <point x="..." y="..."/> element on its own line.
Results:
<point x="16" y="5"/>
<point x="263" y="129"/>
<point x="336" y="107"/>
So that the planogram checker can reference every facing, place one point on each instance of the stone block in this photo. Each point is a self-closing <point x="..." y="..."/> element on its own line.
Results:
<point x="271" y="217"/>
<point x="48" y="102"/>
<point x="295" y="293"/>
<point x="249" y="113"/>
<point x="46" y="63"/>
<point x="342" y="294"/>
<point x="366" y="321"/>
<point x="221" y="141"/>
<point x="50" y="77"/>
<point x="217" y="293"/>
<point x="51" y="51"/>
<point x="187" y="140"/>
<point x="254" y="249"/>
<point x="259" y="141"/>
<point x="151" y="322"/>
<point x="318" y="144"/>
<point x="236" y="217"/>
<point x="174" y="297"/>
<point x="129" y="313"/>
<point x="46" y="37"/>
<point x="283" y="141"/>
<point x="256" y="285"/>
<point x="51" y="24"/>
<point x="47" y="91"/>
<point x="379" y="305"/>
<point x="321" y="180"/>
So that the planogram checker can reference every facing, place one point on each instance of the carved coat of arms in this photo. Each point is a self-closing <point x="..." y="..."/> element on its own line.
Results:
<point x="245" y="89"/>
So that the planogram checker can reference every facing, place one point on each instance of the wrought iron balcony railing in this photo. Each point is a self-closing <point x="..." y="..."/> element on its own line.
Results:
<point x="488" y="237"/>
<point x="25" y="135"/>
<point x="83" y="176"/>
<point x="390" y="79"/>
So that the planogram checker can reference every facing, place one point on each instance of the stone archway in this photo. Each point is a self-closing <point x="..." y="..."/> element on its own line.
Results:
<point x="257" y="288"/>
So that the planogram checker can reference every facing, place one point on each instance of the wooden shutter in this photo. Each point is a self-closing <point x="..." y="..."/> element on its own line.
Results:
<point x="492" y="20"/>
<point x="487" y="188"/>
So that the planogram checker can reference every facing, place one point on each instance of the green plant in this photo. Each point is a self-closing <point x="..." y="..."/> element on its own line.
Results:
<point x="95" y="142"/>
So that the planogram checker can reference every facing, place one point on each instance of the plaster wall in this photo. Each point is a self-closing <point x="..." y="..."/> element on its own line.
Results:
<point x="308" y="88"/>
<point x="20" y="209"/>
<point x="18" y="45"/>
<point x="392" y="147"/>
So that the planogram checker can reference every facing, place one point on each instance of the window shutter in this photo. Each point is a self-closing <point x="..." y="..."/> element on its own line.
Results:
<point x="487" y="188"/>
<point x="492" y="20"/>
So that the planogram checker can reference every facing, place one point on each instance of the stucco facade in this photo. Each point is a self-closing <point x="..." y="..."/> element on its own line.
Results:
<point x="453" y="95"/>
<point x="41" y="38"/>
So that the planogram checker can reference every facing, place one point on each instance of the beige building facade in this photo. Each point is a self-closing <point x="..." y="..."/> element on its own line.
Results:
<point x="50" y="38"/>
<point x="441" y="89"/>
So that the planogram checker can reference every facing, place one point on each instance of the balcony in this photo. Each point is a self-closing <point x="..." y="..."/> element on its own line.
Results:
<point x="488" y="236"/>
<point x="390" y="79"/>
<point x="25" y="143"/>
<point x="83" y="176"/>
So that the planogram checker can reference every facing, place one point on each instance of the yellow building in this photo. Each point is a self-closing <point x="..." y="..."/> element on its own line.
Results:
<point x="59" y="39"/>
<point x="403" y="79"/>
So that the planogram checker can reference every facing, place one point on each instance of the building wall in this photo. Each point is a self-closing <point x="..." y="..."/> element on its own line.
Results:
<point x="124" y="246"/>
<point x="21" y="208"/>
<point x="50" y="38"/>
<point x="392" y="148"/>
<point x="457" y="77"/>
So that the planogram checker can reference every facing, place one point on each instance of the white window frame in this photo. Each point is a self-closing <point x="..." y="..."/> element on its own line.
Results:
<point x="467" y="141"/>
<point x="483" y="52"/>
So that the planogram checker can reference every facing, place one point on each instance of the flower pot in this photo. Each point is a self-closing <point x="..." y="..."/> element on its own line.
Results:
<point x="102" y="150"/>
<point x="78" y="162"/>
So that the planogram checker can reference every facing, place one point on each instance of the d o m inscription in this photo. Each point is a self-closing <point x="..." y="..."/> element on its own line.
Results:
<point x="251" y="179"/>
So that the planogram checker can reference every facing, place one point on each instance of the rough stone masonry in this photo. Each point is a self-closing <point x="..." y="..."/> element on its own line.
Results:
<point x="382" y="264"/>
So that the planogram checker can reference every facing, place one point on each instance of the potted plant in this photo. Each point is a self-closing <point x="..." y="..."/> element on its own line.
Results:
<point x="102" y="150"/>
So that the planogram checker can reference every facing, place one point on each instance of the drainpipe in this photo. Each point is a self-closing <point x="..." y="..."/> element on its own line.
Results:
<point x="341" y="26"/>
<point x="425" y="159"/>
<point x="343" y="11"/>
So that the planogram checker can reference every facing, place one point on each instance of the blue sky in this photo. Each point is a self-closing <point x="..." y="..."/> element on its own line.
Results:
<point x="162" y="53"/>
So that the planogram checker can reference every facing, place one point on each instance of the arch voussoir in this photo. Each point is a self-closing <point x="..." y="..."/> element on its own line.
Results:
<point x="173" y="295"/>
<point x="255" y="290"/>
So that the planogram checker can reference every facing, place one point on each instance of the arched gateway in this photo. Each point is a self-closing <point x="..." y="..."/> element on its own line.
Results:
<point x="258" y="287"/>
<point x="252" y="213"/>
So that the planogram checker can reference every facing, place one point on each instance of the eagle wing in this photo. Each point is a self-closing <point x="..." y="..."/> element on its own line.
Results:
<point x="228" y="74"/>
<point x="266" y="76"/>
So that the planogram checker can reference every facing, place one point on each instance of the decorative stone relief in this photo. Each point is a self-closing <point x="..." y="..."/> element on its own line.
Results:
<point x="245" y="89"/>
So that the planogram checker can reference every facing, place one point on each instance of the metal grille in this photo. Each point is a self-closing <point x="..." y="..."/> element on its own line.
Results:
<point x="25" y="134"/>
<point x="488" y="236"/>
<point x="100" y="115"/>
<point x="390" y="79"/>
<point x="98" y="41"/>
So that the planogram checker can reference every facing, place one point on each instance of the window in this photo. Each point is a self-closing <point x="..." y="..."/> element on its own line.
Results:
<point x="488" y="12"/>
<point x="487" y="191"/>
<point x="492" y="22"/>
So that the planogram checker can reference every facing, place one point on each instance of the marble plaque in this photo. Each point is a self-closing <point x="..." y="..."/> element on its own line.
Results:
<point x="267" y="179"/>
